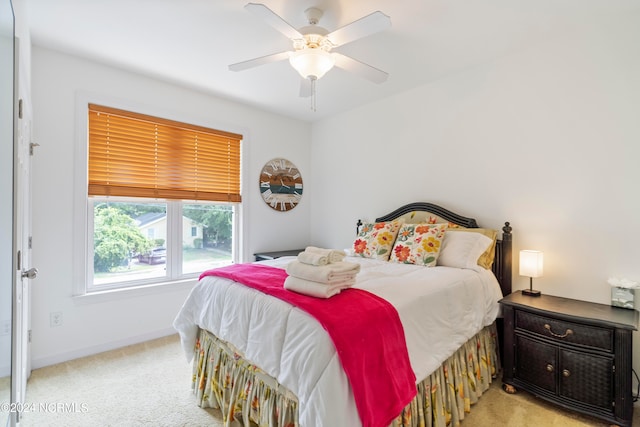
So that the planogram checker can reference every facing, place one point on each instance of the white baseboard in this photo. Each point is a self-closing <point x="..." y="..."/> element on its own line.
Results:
<point x="88" y="351"/>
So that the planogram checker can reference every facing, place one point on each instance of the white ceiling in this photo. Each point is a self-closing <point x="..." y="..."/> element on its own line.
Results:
<point x="191" y="42"/>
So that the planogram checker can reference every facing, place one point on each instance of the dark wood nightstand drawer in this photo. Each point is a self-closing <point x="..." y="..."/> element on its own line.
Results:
<point x="563" y="331"/>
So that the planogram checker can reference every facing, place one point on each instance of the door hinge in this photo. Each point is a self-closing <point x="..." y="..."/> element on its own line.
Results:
<point x="30" y="242"/>
<point x="614" y="368"/>
<point x="32" y="145"/>
<point x="19" y="261"/>
<point x="29" y="336"/>
<point x="20" y="108"/>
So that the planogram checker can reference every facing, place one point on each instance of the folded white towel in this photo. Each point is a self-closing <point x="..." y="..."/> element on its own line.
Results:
<point x="328" y="274"/>
<point x="334" y="255"/>
<point x="315" y="289"/>
<point x="313" y="258"/>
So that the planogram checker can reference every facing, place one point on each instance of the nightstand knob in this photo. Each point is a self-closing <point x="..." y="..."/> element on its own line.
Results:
<point x="566" y="333"/>
<point x="550" y="367"/>
<point x="566" y="373"/>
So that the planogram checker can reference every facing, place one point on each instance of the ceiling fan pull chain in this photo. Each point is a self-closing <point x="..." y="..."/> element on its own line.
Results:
<point x="313" y="93"/>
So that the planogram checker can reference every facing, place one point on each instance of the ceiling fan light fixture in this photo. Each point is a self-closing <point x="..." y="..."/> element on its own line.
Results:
<point x="312" y="63"/>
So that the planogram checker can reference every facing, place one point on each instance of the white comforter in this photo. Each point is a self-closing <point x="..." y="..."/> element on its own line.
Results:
<point x="440" y="309"/>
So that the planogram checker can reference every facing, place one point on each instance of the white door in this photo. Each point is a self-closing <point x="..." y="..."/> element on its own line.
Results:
<point x="23" y="151"/>
<point x="7" y="259"/>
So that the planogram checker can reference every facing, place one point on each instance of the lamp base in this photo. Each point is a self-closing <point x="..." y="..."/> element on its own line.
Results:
<point x="531" y="292"/>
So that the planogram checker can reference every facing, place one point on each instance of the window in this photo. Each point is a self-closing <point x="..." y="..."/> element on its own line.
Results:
<point x="162" y="199"/>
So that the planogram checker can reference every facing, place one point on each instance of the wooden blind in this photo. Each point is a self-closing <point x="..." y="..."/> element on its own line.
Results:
<point x="135" y="155"/>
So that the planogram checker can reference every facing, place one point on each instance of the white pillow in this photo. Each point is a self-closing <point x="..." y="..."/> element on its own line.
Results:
<point x="462" y="249"/>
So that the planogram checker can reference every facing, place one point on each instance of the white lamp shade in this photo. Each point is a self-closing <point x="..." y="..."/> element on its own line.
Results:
<point x="312" y="63"/>
<point x="531" y="264"/>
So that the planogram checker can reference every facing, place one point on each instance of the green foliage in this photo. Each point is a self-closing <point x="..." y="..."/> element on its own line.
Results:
<point x="133" y="210"/>
<point x="116" y="237"/>
<point x="217" y="221"/>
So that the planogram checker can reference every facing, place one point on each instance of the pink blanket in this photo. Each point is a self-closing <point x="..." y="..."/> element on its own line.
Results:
<point x="366" y="332"/>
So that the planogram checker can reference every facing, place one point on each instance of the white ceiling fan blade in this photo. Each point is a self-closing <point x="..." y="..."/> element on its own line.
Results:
<point x="273" y="19"/>
<point x="240" y="66"/>
<point x="365" y="26"/>
<point x="305" y="88"/>
<point x="360" y="68"/>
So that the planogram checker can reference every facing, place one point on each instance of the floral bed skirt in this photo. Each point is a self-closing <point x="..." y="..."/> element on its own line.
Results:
<point x="247" y="396"/>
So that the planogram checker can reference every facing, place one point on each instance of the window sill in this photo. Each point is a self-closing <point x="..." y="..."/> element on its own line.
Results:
<point x="134" y="291"/>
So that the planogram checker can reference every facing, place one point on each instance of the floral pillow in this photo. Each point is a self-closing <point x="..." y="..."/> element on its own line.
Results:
<point x="418" y="244"/>
<point x="376" y="240"/>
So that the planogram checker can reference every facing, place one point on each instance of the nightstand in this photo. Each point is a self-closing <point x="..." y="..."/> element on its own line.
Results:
<point x="573" y="353"/>
<point x="261" y="256"/>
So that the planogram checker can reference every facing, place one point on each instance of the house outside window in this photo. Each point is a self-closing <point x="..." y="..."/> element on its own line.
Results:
<point x="138" y="240"/>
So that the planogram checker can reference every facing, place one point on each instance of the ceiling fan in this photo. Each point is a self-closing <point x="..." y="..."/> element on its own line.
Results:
<point x="312" y="56"/>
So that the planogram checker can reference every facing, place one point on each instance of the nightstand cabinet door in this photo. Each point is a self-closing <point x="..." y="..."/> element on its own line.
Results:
<point x="536" y="363"/>
<point x="587" y="379"/>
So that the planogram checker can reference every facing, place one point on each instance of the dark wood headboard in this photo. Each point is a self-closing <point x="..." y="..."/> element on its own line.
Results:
<point x="502" y="263"/>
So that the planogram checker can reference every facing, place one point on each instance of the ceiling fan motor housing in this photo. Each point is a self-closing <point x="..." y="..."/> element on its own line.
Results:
<point x="313" y="41"/>
<point x="313" y="15"/>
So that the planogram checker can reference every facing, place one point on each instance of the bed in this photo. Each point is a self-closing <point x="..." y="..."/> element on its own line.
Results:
<point x="265" y="362"/>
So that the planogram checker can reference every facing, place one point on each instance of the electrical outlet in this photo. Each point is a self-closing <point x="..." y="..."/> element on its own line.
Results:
<point x="6" y="327"/>
<point x="55" y="318"/>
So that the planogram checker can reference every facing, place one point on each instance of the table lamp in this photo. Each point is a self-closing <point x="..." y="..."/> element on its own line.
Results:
<point x="531" y="266"/>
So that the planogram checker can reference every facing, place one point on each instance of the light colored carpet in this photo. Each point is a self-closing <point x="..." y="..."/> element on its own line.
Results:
<point x="497" y="409"/>
<point x="148" y="384"/>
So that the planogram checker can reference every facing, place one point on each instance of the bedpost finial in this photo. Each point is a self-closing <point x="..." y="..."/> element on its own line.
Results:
<point x="507" y="228"/>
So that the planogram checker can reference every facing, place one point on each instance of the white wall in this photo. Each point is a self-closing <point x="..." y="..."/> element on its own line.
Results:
<point x="102" y="324"/>
<point x="548" y="138"/>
